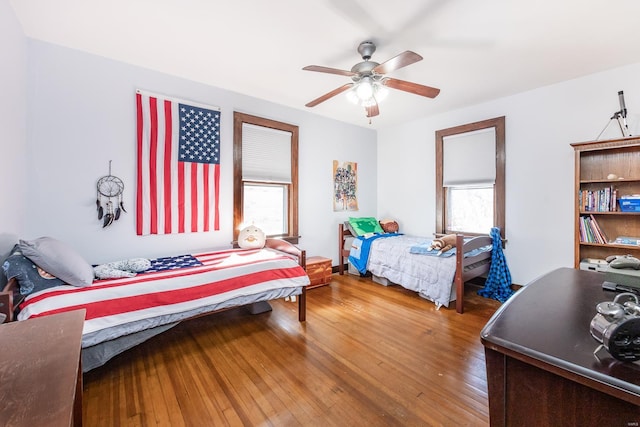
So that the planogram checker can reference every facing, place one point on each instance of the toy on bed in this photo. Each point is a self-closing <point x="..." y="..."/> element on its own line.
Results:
<point x="389" y="225"/>
<point x="251" y="237"/>
<point x="443" y="243"/>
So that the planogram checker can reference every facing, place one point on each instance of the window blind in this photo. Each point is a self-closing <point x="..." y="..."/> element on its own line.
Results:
<point x="266" y="154"/>
<point x="469" y="159"/>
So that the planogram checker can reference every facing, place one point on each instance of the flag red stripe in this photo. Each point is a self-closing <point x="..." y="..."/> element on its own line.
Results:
<point x="205" y="194"/>
<point x="181" y="201"/>
<point x="216" y="183"/>
<point x="139" y="215"/>
<point x="168" y="140"/>
<point x="153" y="167"/>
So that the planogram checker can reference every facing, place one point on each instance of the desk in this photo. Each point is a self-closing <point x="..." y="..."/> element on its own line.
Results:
<point x="539" y="357"/>
<point x="40" y="373"/>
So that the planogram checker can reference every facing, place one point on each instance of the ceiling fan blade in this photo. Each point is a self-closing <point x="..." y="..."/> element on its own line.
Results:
<point x="372" y="110"/>
<point x="329" y="95"/>
<point x="329" y="70"/>
<point x="415" y="88"/>
<point x="402" y="60"/>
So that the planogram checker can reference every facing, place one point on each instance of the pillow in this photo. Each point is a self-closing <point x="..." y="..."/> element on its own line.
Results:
<point x="30" y="277"/>
<point x="348" y="226"/>
<point x="365" y="225"/>
<point x="251" y="237"/>
<point x="58" y="259"/>
<point x="389" y="226"/>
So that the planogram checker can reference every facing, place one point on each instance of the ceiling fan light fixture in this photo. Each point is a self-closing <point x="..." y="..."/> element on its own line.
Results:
<point x="369" y="83"/>
<point x="367" y="92"/>
<point x="364" y="89"/>
<point x="352" y="97"/>
<point x="380" y="91"/>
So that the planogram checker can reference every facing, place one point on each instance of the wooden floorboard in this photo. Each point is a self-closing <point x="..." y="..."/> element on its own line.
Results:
<point x="368" y="355"/>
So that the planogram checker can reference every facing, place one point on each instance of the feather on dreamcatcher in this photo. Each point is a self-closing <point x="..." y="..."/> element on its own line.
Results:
<point x="109" y="198"/>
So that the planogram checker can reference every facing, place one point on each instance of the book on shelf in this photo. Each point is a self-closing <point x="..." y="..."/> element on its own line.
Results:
<point x="603" y="237"/>
<point x="627" y="240"/>
<point x="590" y="231"/>
<point x="603" y="200"/>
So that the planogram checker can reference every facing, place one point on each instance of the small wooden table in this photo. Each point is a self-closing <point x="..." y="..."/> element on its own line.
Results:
<point x="540" y="365"/>
<point x="40" y="372"/>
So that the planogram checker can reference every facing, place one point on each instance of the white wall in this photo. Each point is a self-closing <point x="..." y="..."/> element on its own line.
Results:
<point x="540" y="125"/>
<point x="13" y="116"/>
<point x="81" y="114"/>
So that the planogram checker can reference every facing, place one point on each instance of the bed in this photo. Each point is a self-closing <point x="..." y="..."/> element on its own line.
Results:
<point x="123" y="312"/>
<point x="436" y="278"/>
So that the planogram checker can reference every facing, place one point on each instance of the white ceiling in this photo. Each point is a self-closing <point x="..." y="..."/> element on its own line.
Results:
<point x="473" y="50"/>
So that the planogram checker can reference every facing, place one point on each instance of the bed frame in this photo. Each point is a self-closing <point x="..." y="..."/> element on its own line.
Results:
<point x="466" y="268"/>
<point x="11" y="288"/>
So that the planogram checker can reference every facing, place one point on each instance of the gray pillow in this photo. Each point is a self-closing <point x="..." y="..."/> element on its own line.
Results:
<point x="58" y="259"/>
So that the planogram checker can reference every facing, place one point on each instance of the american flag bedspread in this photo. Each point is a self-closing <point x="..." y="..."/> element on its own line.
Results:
<point x="116" y="307"/>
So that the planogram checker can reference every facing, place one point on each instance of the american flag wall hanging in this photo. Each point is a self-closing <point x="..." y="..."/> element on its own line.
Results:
<point x="178" y="165"/>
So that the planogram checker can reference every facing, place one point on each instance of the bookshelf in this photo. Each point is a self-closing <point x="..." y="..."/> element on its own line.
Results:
<point x="605" y="171"/>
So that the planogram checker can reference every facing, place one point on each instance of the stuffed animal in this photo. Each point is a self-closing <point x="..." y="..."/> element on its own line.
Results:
<point x="444" y="243"/>
<point x="251" y="237"/>
<point x="389" y="226"/>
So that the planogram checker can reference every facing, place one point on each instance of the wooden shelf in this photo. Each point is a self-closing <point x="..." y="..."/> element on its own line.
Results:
<point x="594" y="162"/>
<point x="609" y="213"/>
<point x="609" y="181"/>
<point x="611" y="245"/>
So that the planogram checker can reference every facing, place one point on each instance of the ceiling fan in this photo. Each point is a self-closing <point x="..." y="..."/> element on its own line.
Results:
<point x="369" y="81"/>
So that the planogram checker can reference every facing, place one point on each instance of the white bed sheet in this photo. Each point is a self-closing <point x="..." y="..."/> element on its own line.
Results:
<point x="430" y="276"/>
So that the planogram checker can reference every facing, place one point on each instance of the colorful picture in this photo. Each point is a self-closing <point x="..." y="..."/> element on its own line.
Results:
<point x="345" y="186"/>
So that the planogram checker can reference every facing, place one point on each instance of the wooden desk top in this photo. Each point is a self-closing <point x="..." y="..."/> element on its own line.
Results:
<point x="548" y="321"/>
<point x="39" y="368"/>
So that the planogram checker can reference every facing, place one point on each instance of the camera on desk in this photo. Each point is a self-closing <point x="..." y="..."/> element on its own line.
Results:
<point x="617" y="327"/>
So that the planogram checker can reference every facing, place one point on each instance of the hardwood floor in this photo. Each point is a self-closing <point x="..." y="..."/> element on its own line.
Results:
<point x="367" y="355"/>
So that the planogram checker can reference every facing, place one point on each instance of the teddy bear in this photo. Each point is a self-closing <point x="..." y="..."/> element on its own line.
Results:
<point x="443" y="243"/>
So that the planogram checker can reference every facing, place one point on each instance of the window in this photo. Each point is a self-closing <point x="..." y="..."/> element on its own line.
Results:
<point x="470" y="187"/>
<point x="265" y="174"/>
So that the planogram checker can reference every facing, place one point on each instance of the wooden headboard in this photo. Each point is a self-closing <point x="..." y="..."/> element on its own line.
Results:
<point x="288" y="248"/>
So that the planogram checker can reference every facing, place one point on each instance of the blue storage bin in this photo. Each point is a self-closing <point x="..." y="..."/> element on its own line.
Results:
<point x="630" y="204"/>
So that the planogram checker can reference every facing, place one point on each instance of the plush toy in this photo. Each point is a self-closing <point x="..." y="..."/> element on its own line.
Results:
<point x="389" y="226"/>
<point x="251" y="237"/>
<point x="444" y="243"/>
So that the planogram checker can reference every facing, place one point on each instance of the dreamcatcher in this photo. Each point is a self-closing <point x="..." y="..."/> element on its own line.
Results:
<point x="109" y="187"/>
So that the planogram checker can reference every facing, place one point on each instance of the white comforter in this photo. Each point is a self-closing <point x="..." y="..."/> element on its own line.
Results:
<point x="430" y="276"/>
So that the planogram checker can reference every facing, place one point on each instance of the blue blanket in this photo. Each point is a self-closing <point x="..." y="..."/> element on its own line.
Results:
<point x="423" y="249"/>
<point x="360" y="248"/>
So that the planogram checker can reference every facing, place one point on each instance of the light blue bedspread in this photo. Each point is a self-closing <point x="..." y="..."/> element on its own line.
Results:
<point x="360" y="248"/>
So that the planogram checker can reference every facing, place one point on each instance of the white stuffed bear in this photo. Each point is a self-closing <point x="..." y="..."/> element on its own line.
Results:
<point x="251" y="237"/>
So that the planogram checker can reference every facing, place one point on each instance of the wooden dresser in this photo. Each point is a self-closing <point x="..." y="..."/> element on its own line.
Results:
<point x="40" y="371"/>
<point x="541" y="370"/>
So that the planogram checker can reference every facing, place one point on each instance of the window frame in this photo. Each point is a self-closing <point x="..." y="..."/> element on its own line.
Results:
<point x="498" y="123"/>
<point x="238" y="185"/>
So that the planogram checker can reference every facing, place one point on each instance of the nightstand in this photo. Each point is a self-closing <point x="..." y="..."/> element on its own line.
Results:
<point x="319" y="271"/>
